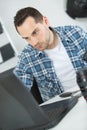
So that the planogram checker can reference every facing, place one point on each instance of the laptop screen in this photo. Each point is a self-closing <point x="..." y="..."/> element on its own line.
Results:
<point x="18" y="108"/>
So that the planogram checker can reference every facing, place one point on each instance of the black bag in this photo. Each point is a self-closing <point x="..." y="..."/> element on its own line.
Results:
<point x="77" y="8"/>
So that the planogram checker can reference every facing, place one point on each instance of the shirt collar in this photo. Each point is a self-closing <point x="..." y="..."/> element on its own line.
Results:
<point x="34" y="50"/>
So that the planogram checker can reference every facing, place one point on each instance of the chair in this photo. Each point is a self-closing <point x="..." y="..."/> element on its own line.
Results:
<point x="36" y="93"/>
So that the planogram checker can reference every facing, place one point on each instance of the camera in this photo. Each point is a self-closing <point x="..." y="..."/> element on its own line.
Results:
<point x="82" y="81"/>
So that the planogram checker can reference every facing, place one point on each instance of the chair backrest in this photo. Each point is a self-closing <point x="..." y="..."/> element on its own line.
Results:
<point x="36" y="93"/>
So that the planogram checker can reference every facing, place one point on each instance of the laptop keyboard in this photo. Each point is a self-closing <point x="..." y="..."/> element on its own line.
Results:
<point x="59" y="109"/>
<point x="55" y="111"/>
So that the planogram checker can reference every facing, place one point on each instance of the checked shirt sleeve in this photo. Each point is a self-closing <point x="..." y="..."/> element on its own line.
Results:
<point x="23" y="73"/>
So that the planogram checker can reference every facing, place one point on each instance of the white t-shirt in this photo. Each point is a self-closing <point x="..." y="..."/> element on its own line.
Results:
<point x="63" y="67"/>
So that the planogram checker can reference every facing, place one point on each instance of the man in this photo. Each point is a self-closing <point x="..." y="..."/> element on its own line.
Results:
<point x="52" y="56"/>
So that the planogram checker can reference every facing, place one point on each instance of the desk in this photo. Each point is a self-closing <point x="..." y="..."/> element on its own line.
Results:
<point x="76" y="117"/>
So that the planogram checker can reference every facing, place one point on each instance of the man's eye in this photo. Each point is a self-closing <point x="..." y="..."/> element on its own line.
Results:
<point x="36" y="32"/>
<point x="26" y="38"/>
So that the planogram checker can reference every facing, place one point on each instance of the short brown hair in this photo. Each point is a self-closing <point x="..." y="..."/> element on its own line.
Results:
<point x="23" y="13"/>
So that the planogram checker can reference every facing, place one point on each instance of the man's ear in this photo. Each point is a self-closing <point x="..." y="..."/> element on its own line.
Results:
<point x="46" y="21"/>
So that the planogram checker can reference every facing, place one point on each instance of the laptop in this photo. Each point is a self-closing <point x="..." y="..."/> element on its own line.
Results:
<point x="20" y="111"/>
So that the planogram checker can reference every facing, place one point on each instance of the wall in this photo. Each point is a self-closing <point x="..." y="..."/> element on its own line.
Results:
<point x="53" y="9"/>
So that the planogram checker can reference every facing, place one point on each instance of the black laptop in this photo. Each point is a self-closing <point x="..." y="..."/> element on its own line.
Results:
<point x="20" y="111"/>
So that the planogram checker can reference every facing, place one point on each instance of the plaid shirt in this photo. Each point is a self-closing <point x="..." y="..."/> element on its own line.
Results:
<point x="36" y="64"/>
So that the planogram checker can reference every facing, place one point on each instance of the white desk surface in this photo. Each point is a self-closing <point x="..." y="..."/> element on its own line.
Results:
<point x="76" y="117"/>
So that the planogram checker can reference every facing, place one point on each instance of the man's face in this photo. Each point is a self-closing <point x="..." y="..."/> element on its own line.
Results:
<point x="36" y="34"/>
